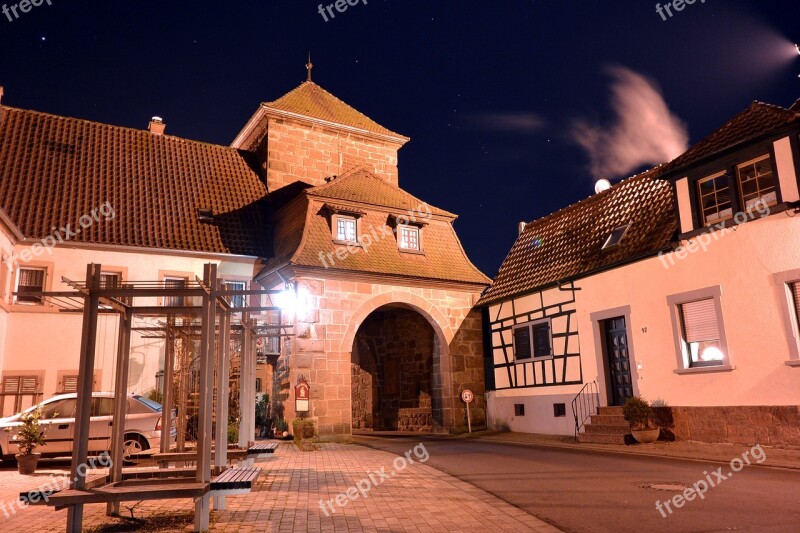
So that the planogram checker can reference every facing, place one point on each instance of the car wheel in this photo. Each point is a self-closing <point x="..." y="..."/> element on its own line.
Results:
<point x="133" y="444"/>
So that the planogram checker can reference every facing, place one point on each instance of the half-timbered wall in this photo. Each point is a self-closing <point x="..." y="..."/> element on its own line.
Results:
<point x="563" y="368"/>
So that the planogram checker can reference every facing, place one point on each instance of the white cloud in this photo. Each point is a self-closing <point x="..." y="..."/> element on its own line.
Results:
<point x="645" y="131"/>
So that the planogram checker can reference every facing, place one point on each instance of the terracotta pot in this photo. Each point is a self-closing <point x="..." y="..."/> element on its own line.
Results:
<point x="646" y="436"/>
<point x="26" y="463"/>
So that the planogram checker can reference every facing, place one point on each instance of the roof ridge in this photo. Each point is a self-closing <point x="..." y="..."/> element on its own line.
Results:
<point x="593" y="196"/>
<point x="116" y="126"/>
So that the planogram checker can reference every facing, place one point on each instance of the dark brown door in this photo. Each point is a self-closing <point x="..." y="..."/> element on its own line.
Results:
<point x="619" y="363"/>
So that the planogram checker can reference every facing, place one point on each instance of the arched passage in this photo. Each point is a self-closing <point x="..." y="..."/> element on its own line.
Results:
<point x="399" y="365"/>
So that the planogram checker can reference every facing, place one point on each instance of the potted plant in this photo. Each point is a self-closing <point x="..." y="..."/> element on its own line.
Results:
<point x="639" y="414"/>
<point x="30" y="435"/>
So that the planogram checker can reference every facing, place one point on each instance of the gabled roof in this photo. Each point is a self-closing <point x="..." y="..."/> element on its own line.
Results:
<point x="304" y="226"/>
<point x="53" y="170"/>
<point x="569" y="243"/>
<point x="361" y="186"/>
<point x="311" y="100"/>
<point x="756" y="121"/>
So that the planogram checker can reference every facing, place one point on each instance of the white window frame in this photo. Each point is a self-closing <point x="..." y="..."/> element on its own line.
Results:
<point x="44" y="284"/>
<point x="775" y="182"/>
<point x="783" y="285"/>
<point x="335" y="227"/>
<point x="530" y="325"/>
<point x="243" y="298"/>
<point x="166" y="301"/>
<point x="703" y="221"/>
<point x="400" y="229"/>
<point x="683" y="358"/>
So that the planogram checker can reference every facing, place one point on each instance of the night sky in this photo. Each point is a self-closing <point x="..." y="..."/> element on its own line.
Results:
<point x="496" y="96"/>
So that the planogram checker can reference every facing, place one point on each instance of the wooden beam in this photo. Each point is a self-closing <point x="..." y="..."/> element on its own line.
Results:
<point x="120" y="403"/>
<point x="80" y="448"/>
<point x="223" y="376"/>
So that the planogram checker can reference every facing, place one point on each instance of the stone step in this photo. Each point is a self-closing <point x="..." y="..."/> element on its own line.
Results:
<point x="609" y="420"/>
<point x="606" y="429"/>
<point x="612" y="411"/>
<point x="601" y="438"/>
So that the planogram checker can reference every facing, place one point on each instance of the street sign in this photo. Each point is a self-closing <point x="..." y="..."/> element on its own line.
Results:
<point x="467" y="396"/>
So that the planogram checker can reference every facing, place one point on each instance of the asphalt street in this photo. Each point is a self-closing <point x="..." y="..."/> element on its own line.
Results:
<point x="592" y="491"/>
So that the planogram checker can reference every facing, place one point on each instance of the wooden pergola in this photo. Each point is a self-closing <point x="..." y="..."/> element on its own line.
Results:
<point x="213" y="320"/>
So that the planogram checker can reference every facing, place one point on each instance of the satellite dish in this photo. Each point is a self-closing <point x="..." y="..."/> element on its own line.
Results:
<point x="602" y="185"/>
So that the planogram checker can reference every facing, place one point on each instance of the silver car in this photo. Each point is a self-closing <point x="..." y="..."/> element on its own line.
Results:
<point x="142" y="426"/>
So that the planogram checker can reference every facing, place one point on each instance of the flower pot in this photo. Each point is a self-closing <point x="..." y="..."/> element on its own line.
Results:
<point x="26" y="462"/>
<point x="646" y="436"/>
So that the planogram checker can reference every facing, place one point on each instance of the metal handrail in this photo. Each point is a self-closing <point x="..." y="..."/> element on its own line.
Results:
<point x="584" y="405"/>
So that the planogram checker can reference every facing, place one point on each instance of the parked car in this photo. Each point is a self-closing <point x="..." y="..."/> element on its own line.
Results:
<point x="142" y="426"/>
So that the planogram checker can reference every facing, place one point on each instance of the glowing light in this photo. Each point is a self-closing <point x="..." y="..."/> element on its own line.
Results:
<point x="292" y="300"/>
<point x="712" y="353"/>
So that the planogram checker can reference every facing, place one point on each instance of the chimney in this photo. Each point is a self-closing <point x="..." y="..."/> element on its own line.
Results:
<point x="522" y="227"/>
<point x="157" y="126"/>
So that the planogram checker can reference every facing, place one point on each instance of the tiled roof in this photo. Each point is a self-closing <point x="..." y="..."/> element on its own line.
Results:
<point x="568" y="243"/>
<point x="311" y="100"/>
<point x="55" y="169"/>
<point x="443" y="259"/>
<point x="361" y="186"/>
<point x="757" y="120"/>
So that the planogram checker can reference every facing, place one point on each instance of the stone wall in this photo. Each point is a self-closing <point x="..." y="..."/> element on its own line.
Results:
<point x="325" y="335"/>
<point x="766" y="425"/>
<point x="299" y="151"/>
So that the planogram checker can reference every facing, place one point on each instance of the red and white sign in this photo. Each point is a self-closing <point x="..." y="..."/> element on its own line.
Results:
<point x="467" y="396"/>
<point x="301" y="395"/>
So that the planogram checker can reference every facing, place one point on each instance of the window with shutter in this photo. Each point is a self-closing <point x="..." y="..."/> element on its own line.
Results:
<point x="522" y="342"/>
<point x="19" y="393"/>
<point x="541" y="340"/>
<point x="70" y="384"/>
<point x="701" y="332"/>
<point x="533" y="340"/>
<point x="174" y="283"/>
<point x="31" y="281"/>
<point x="796" y="293"/>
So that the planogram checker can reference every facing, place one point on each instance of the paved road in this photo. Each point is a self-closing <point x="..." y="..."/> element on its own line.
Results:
<point x="587" y="491"/>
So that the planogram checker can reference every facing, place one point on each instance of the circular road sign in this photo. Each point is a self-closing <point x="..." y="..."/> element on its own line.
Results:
<point x="467" y="396"/>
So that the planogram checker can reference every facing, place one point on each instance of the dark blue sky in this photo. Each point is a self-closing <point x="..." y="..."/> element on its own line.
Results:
<point x="488" y="91"/>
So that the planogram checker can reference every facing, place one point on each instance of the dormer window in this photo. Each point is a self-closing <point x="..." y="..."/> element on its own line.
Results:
<point x="715" y="198"/>
<point x="757" y="183"/>
<point x="409" y="238"/>
<point x="616" y="236"/>
<point x="346" y="228"/>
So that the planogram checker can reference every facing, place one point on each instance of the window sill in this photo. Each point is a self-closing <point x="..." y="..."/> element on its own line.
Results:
<point x="533" y="359"/>
<point x="348" y="243"/>
<point x="793" y="362"/>
<point x="705" y="369"/>
<point x="410" y="251"/>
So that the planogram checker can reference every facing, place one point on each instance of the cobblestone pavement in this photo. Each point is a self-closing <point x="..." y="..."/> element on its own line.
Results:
<point x="287" y="498"/>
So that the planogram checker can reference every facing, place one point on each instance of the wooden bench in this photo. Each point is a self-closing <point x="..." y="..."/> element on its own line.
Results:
<point x="163" y="459"/>
<point x="163" y="489"/>
<point x="234" y="481"/>
<point x="40" y="497"/>
<point x="262" y="449"/>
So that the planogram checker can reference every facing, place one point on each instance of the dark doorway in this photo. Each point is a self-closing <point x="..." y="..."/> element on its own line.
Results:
<point x="392" y="372"/>
<point x="618" y="362"/>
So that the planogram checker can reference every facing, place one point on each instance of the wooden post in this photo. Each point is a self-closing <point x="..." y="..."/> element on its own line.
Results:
<point x="166" y="393"/>
<point x="205" y="404"/>
<point x="84" y="405"/>
<point x="243" y="380"/>
<point x="223" y="375"/>
<point x="120" y="403"/>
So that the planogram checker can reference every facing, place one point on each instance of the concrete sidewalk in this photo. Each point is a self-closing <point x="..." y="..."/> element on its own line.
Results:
<point x="292" y="494"/>
<point x="723" y="453"/>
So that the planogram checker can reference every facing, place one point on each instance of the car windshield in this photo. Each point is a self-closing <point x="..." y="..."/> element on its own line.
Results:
<point x="155" y="406"/>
